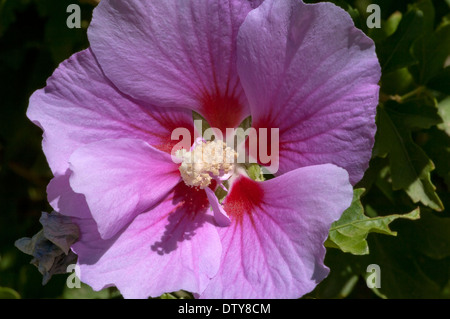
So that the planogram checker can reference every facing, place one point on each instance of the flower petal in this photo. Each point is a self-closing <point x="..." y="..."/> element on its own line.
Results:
<point x="309" y="72"/>
<point x="173" y="246"/>
<point x="64" y="200"/>
<point x="174" y="53"/>
<point x="80" y="105"/>
<point x="220" y="216"/>
<point x="274" y="246"/>
<point x="121" y="179"/>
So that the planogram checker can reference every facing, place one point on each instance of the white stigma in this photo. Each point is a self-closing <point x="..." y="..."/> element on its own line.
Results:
<point x="205" y="162"/>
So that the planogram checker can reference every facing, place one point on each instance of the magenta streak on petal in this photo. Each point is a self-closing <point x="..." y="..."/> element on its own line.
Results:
<point x="313" y="75"/>
<point x="120" y="179"/>
<point x="182" y="53"/>
<point x="80" y="105"/>
<point x="172" y="246"/>
<point x="274" y="246"/>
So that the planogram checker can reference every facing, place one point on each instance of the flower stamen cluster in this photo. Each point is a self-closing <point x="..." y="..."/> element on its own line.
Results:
<point x="205" y="162"/>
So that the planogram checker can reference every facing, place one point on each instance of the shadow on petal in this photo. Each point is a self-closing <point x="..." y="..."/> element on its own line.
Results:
<point x="189" y="214"/>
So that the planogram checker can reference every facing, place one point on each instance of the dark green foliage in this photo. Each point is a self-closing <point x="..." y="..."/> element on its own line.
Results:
<point x="410" y="165"/>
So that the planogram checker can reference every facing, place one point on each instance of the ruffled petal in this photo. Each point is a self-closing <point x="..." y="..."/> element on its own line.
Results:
<point x="171" y="247"/>
<point x="80" y="105"/>
<point x="121" y="179"/>
<point x="308" y="71"/>
<point x="274" y="246"/>
<point x="174" y="53"/>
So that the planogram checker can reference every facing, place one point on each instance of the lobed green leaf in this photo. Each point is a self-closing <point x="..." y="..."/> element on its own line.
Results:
<point x="409" y="164"/>
<point x="350" y="232"/>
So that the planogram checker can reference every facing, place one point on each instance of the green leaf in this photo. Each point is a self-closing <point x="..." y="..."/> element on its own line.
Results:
<point x="255" y="173"/>
<point x="167" y="296"/>
<point x="418" y="113"/>
<point x="397" y="82"/>
<point x="431" y="51"/>
<point x="344" y="275"/>
<point x="388" y="27"/>
<point x="349" y="233"/>
<point x="431" y="235"/>
<point x="405" y="272"/>
<point x="181" y="294"/>
<point x="427" y="8"/>
<point x="60" y="40"/>
<point x="394" y="53"/>
<point x="8" y="293"/>
<point x="410" y="166"/>
<point x="444" y="112"/>
<point x="437" y="146"/>
<point x="441" y="82"/>
<point x="86" y="292"/>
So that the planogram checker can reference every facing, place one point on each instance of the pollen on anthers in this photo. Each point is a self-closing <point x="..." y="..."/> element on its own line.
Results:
<point x="207" y="161"/>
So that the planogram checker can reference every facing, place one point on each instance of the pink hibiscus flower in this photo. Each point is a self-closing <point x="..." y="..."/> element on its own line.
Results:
<point x="108" y="113"/>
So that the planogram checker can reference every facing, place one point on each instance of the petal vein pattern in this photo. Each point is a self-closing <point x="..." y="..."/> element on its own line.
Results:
<point x="120" y="179"/>
<point x="183" y="56"/>
<point x="80" y="105"/>
<point x="274" y="246"/>
<point x="172" y="246"/>
<point x="314" y="76"/>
